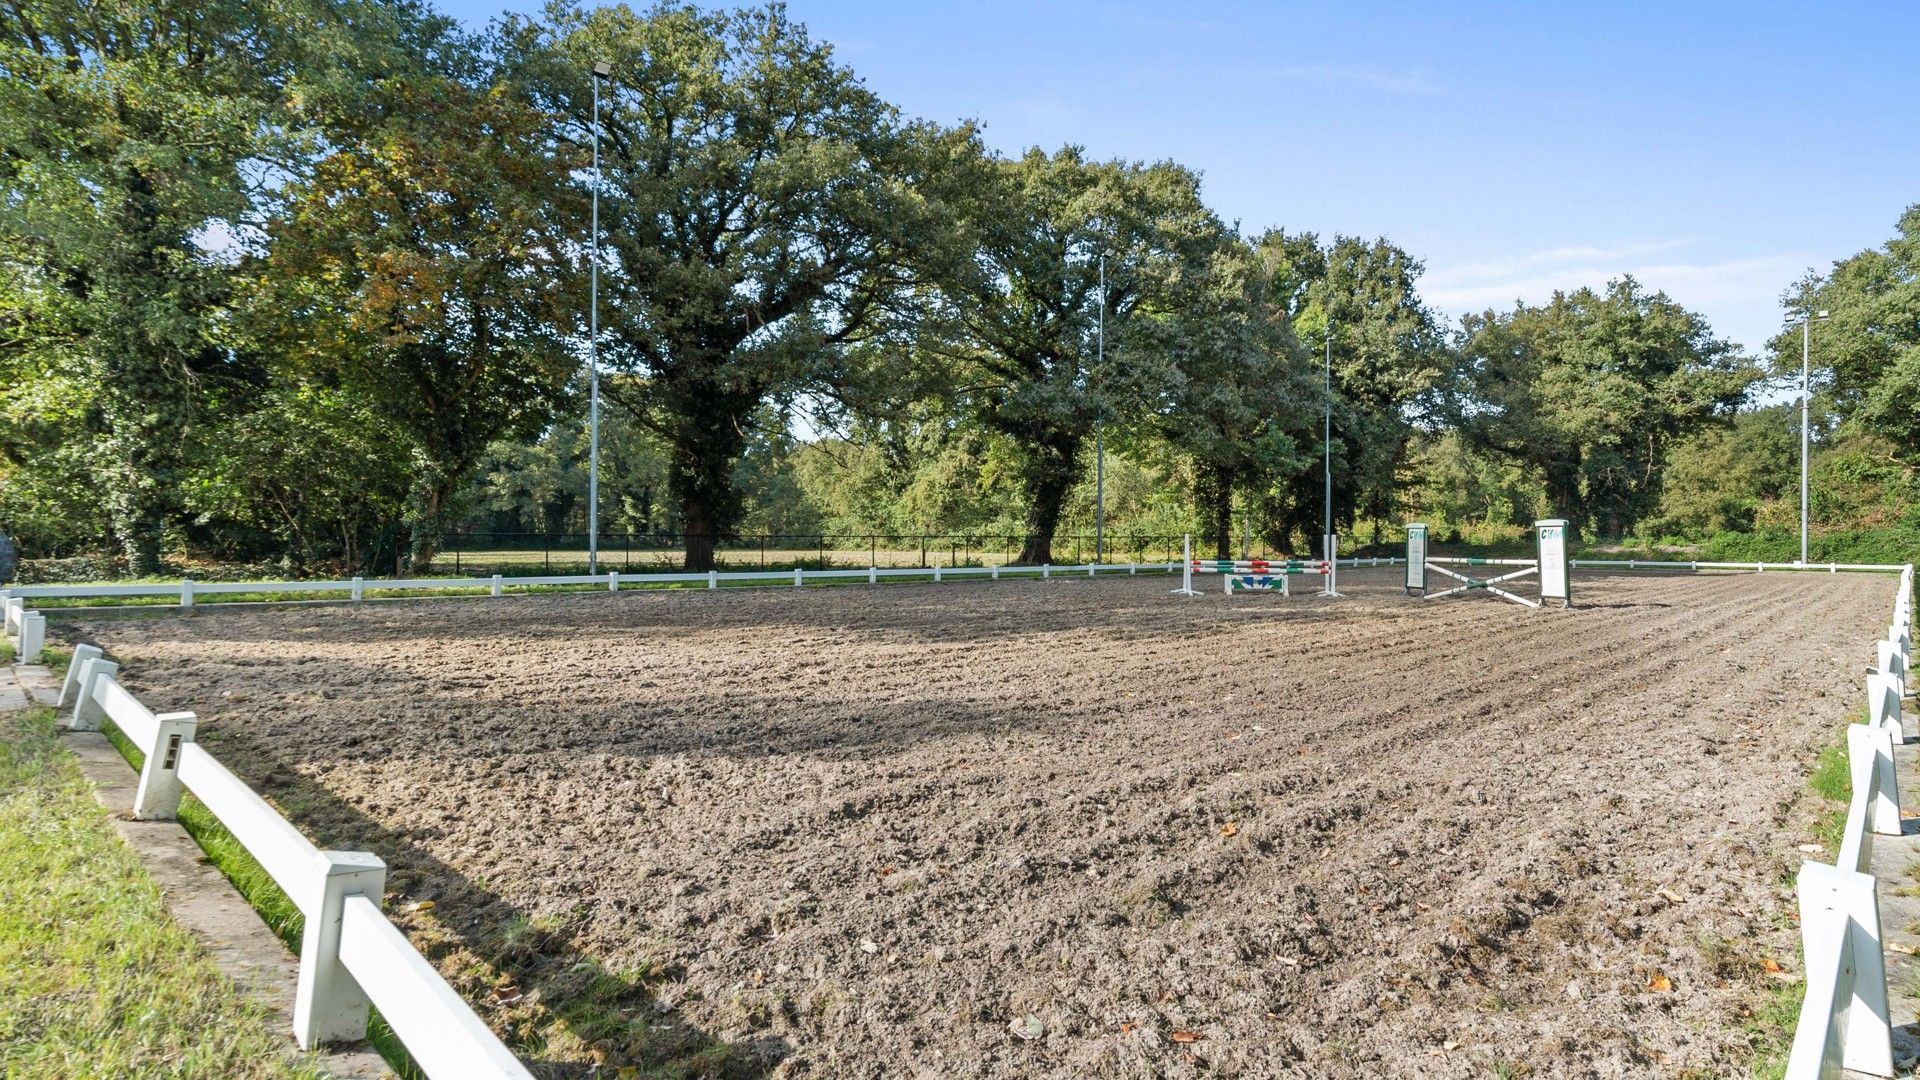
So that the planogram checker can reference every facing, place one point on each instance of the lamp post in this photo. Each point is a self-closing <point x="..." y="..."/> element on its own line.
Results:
<point x="1806" y="404"/>
<point x="601" y="70"/>
<point x="1326" y="441"/>
<point x="1100" y="428"/>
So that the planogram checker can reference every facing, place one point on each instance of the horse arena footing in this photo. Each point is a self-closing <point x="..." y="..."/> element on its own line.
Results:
<point x="864" y="827"/>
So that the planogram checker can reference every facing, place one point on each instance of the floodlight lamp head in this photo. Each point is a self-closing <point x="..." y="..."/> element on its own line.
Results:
<point x="602" y="69"/>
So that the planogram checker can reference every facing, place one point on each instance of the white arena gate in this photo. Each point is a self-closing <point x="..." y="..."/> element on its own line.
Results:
<point x="1550" y="538"/>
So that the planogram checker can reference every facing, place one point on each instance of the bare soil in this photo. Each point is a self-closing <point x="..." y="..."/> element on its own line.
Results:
<point x="1069" y="828"/>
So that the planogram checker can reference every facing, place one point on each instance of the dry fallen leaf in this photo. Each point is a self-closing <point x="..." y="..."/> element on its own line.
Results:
<point x="1660" y="984"/>
<point x="1028" y="1027"/>
<point x="1126" y="1026"/>
<point x="507" y="995"/>
<point x="1770" y="964"/>
<point x="1182" y="1035"/>
<point x="1229" y="829"/>
<point x="424" y="905"/>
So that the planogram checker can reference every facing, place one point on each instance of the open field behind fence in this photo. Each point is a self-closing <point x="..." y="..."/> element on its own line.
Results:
<point x="1071" y="827"/>
<point x="567" y="552"/>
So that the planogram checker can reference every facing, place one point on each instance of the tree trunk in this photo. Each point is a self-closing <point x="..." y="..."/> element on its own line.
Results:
<point x="1214" y="493"/>
<point x="429" y="519"/>
<point x="700" y="476"/>
<point x="1050" y="473"/>
<point x="141" y="528"/>
<point x="698" y="525"/>
<point x="1563" y="493"/>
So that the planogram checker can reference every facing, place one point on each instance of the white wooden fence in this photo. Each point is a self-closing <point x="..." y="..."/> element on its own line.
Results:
<point x="356" y="588"/>
<point x="350" y="955"/>
<point x="26" y="630"/>
<point x="1843" y="1018"/>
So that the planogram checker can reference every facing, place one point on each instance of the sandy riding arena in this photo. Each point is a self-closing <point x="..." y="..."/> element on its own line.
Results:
<point x="1065" y="828"/>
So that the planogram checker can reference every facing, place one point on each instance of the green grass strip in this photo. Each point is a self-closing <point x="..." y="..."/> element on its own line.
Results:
<point x="229" y="856"/>
<point x="99" y="981"/>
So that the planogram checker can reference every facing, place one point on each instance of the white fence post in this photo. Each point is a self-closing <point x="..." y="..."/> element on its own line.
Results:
<point x="613" y="581"/>
<point x="186" y="592"/>
<point x="713" y="579"/>
<point x="328" y="1005"/>
<point x="87" y="712"/>
<point x="495" y="585"/>
<point x="15" y="607"/>
<point x="1883" y="797"/>
<point x="873" y="575"/>
<point x="69" y="685"/>
<point x="936" y="572"/>
<point x="1046" y="569"/>
<point x="359" y="587"/>
<point x="1866" y="1041"/>
<point x="1883" y="703"/>
<point x="1887" y="662"/>
<point x="996" y="573"/>
<point x="33" y="637"/>
<point x="158" y="797"/>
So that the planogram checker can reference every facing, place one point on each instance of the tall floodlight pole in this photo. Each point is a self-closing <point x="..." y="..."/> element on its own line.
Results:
<point x="1806" y="409"/>
<point x="1100" y="429"/>
<point x="1326" y="439"/>
<point x="601" y="70"/>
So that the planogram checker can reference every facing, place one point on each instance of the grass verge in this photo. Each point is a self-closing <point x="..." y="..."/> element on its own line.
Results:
<point x="1769" y="1019"/>
<point x="100" y="982"/>
<point x="228" y="855"/>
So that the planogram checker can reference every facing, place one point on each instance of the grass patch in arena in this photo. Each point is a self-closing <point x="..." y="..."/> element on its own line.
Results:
<point x="100" y="981"/>
<point x="1832" y="780"/>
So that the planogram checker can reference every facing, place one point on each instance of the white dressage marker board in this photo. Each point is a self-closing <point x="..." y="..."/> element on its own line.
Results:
<point x="1416" y="559"/>
<point x="1555" y="582"/>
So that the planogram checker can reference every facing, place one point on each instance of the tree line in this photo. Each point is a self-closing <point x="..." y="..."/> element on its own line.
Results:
<point x="308" y="283"/>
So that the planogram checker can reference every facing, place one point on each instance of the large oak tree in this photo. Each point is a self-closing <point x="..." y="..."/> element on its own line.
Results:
<point x="1593" y="389"/>
<point x="761" y="210"/>
<point x="1023" y="312"/>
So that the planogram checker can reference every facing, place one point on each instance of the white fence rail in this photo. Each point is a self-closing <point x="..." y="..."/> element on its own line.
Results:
<point x="350" y="955"/>
<point x="356" y="588"/>
<point x="1843" y="1018"/>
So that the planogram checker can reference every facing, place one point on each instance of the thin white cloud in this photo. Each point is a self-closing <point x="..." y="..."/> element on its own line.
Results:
<point x="1415" y="81"/>
<point x="1550" y="258"/>
<point x="1732" y="280"/>
<point x="1739" y="297"/>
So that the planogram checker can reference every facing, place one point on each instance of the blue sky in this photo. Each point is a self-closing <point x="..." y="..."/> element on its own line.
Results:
<point x="1715" y="151"/>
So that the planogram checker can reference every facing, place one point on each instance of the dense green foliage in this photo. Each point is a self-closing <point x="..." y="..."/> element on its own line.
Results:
<point x="305" y="283"/>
